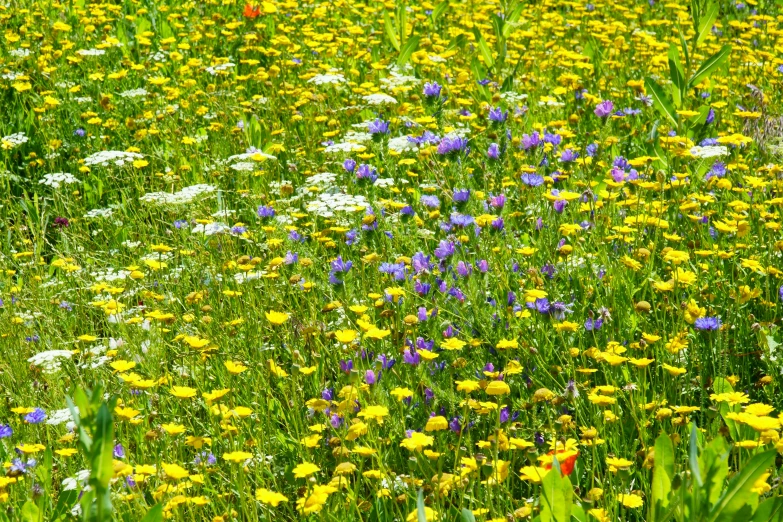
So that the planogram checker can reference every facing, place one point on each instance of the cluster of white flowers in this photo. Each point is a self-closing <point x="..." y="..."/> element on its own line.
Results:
<point x="326" y="79"/>
<point x="325" y="205"/>
<point x="56" y="179"/>
<point x="211" y="229"/>
<point x="513" y="97"/>
<point x="217" y="69"/>
<point x="109" y="275"/>
<point x="185" y="195"/>
<point x="91" y="52"/>
<point x="131" y="245"/>
<point x="344" y="147"/>
<point x="14" y="140"/>
<point x="20" y="53"/>
<point x="224" y="213"/>
<point x="97" y="213"/>
<point x="51" y="360"/>
<point x="711" y="151"/>
<point x="116" y="157"/>
<point x="159" y="56"/>
<point x="402" y="144"/>
<point x="11" y="76"/>
<point x="324" y="178"/>
<point x="379" y="99"/>
<point x="134" y="93"/>
<point x="83" y="99"/>
<point x="396" y="79"/>
<point x="358" y="137"/>
<point x="244" y="166"/>
<point x="384" y="182"/>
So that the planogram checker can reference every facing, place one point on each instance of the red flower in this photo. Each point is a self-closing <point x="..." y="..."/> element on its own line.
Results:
<point x="251" y="11"/>
<point x="566" y="459"/>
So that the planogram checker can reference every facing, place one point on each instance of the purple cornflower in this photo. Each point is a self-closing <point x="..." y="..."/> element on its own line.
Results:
<point x="707" y="323"/>
<point x="366" y="172"/>
<point x="461" y="195"/>
<point x="118" y="452"/>
<point x="80" y="133"/>
<point x="568" y="156"/>
<point x="430" y="201"/>
<point x="452" y="145"/>
<point x="5" y="431"/>
<point x="432" y="90"/>
<point x="37" y="416"/>
<point x="369" y="377"/>
<point x="493" y="152"/>
<point x="338" y="265"/>
<point x="266" y="212"/>
<point x="532" y="180"/>
<point x="378" y="126"/>
<point x="445" y="249"/>
<point x="593" y="324"/>
<point x="497" y="115"/>
<point x="530" y="141"/>
<point x="349" y="165"/>
<point x="498" y="201"/>
<point x="604" y="109"/>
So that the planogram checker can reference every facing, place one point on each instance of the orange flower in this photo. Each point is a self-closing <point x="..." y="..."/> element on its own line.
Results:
<point x="251" y="11"/>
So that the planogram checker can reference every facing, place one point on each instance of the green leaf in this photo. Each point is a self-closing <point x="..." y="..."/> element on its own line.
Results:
<point x="695" y="15"/>
<point x="663" y="473"/>
<point x="661" y="102"/>
<point x="410" y="47"/>
<point x="706" y="23"/>
<point x="30" y="512"/>
<point x="676" y="75"/>
<point x="709" y="66"/>
<point x="769" y="510"/>
<point x="439" y="10"/>
<point x="421" y="514"/>
<point x="714" y="466"/>
<point x="155" y="514"/>
<point x="390" y="34"/>
<point x="103" y="445"/>
<point x="738" y="491"/>
<point x="556" y="496"/>
<point x="514" y="14"/>
<point x="486" y="53"/>
<point x="693" y="456"/>
<point x="578" y="514"/>
<point x="684" y="46"/>
<point x="467" y="515"/>
<point x="402" y="22"/>
<point x="65" y="502"/>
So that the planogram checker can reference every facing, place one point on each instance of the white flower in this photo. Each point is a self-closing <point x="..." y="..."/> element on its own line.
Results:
<point x="50" y="360"/>
<point x="344" y="147"/>
<point x="57" y="417"/>
<point x="91" y="52"/>
<point x="116" y="157"/>
<point x="13" y="140"/>
<point x="322" y="79"/>
<point x="211" y="229"/>
<point x="379" y="99"/>
<point x="56" y="179"/>
<point x="185" y="195"/>
<point x="97" y="213"/>
<point x="134" y="93"/>
<point x="402" y="144"/>
<point x="711" y="151"/>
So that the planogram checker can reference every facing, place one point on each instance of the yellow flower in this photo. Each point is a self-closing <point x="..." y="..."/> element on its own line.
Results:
<point x="237" y="456"/>
<point x="345" y="336"/>
<point x="437" y="423"/>
<point x="453" y="344"/>
<point x="377" y="333"/>
<point x="417" y="441"/>
<point x="174" y="471"/>
<point x="235" y="368"/>
<point x="497" y="388"/>
<point x="183" y="392"/>
<point x="173" y="429"/>
<point x="401" y="393"/>
<point x="631" y="501"/>
<point x="374" y="412"/>
<point x="276" y="318"/>
<point x="305" y="469"/>
<point x="533" y="473"/>
<point x="507" y="343"/>
<point x="467" y="386"/>
<point x="429" y="515"/>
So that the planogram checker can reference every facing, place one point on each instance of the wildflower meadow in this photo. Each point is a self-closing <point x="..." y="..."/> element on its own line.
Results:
<point x="468" y="260"/>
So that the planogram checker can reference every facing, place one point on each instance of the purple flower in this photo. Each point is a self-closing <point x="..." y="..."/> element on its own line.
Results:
<point x="79" y="133"/>
<point x="335" y="420"/>
<point x="591" y="149"/>
<point x="532" y="180"/>
<point x="461" y="220"/>
<point x="493" y="152"/>
<point x="707" y="323"/>
<point x="445" y="249"/>
<point x="119" y="451"/>
<point x="559" y="205"/>
<point x="593" y="324"/>
<point x="432" y="90"/>
<point x="37" y="416"/>
<point x="349" y="165"/>
<point x="568" y="156"/>
<point x="604" y="109"/>
<point x="530" y="141"/>
<point x="452" y="145"/>
<point x="369" y="377"/>
<point x="378" y="126"/>
<point x="461" y="195"/>
<point x="5" y="431"/>
<point x="454" y="425"/>
<point x="266" y="212"/>
<point x="178" y="224"/>
<point x="420" y="262"/>
<point x="338" y="265"/>
<point x="411" y="357"/>
<point x="482" y="265"/>
<point x="346" y="366"/>
<point x="463" y="269"/>
<point x="430" y="201"/>
<point x="780" y="293"/>
<point x="366" y="172"/>
<point x="61" y="222"/>
<point x="497" y="115"/>
<point x="498" y="201"/>
<point x="327" y="394"/>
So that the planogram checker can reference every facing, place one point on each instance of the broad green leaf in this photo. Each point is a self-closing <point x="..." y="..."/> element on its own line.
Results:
<point x="768" y="511"/>
<point x="408" y="49"/>
<point x="677" y="76"/>
<point x="421" y="513"/>
<point x="402" y="23"/>
<point x="30" y="512"/>
<point x="663" y="473"/>
<point x="390" y="34"/>
<point x="714" y="467"/>
<point x="155" y="514"/>
<point x="738" y="491"/>
<point x="467" y="516"/>
<point x="661" y="102"/>
<point x="103" y="445"/>
<point x="439" y="10"/>
<point x="709" y="66"/>
<point x="555" y="498"/>
<point x="707" y="21"/>
<point x="512" y="18"/>
<point x="65" y="502"/>
<point x="486" y="53"/>
<point x="578" y="514"/>
<point x="693" y="456"/>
